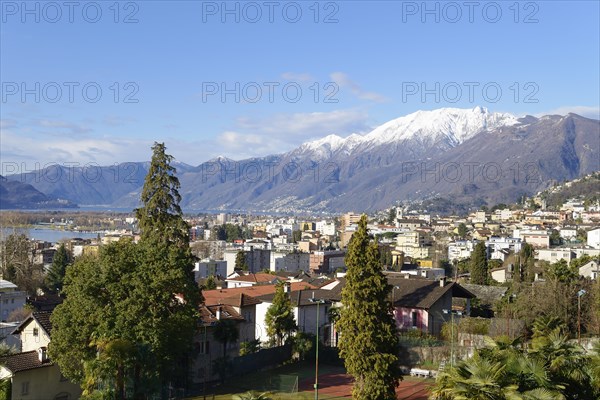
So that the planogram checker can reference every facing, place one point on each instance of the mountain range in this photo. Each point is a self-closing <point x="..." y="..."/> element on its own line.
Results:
<point x="471" y="156"/>
<point x="14" y="194"/>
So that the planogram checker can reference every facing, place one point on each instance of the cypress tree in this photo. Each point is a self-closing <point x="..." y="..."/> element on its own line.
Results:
<point x="58" y="269"/>
<point x="479" y="266"/>
<point x="368" y="337"/>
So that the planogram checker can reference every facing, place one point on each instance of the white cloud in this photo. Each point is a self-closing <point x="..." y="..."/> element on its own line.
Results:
<point x="257" y="137"/>
<point x="344" y="81"/>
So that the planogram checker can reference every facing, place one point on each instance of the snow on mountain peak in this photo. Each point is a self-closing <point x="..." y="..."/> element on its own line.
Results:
<point x="451" y="126"/>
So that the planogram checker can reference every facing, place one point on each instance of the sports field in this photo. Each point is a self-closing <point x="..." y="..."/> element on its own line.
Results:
<point x="333" y="384"/>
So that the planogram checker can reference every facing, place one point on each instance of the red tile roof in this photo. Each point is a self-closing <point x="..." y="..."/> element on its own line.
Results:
<point x="257" y="278"/>
<point x="219" y="296"/>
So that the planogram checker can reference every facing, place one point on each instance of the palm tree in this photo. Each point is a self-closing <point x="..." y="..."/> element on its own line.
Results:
<point x="500" y="371"/>
<point x="226" y="331"/>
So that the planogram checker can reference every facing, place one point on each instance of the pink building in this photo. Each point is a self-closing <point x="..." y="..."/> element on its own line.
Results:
<point x="424" y="304"/>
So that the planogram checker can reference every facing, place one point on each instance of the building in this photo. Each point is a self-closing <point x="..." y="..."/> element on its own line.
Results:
<point x="421" y="304"/>
<point x="257" y="259"/>
<point x="349" y="219"/>
<point x="460" y="249"/>
<point x="251" y="280"/>
<point x="555" y="254"/>
<point x="500" y="247"/>
<point x="11" y="299"/>
<point x="593" y="238"/>
<point x="590" y="270"/>
<point x="536" y="237"/>
<point x="414" y="244"/>
<point x="32" y="373"/>
<point x="205" y="268"/>
<point x="327" y="261"/>
<point x="293" y="261"/>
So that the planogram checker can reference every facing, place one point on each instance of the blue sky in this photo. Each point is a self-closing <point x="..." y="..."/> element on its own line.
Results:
<point x="358" y="64"/>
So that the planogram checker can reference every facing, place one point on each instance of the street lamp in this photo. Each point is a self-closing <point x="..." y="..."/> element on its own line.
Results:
<point x="452" y="312"/>
<point x="579" y="294"/>
<point x="316" y="386"/>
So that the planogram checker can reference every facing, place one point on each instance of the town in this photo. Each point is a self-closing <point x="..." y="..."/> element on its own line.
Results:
<point x="453" y="280"/>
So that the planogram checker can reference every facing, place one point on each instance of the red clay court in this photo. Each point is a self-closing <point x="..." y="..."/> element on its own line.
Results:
<point x="340" y="385"/>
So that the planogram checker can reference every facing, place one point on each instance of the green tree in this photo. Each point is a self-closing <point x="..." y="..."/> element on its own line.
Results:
<point x="226" y="331"/>
<point x="18" y="263"/>
<point x="391" y="219"/>
<point x="462" y="230"/>
<point x="58" y="269"/>
<point x="249" y="347"/>
<point x="279" y="318"/>
<point x="296" y="236"/>
<point x="210" y="284"/>
<point x="479" y="265"/>
<point x="526" y="263"/>
<point x="552" y="368"/>
<point x="240" y="261"/>
<point x="368" y="338"/>
<point x="561" y="271"/>
<point x="555" y="238"/>
<point x="143" y="294"/>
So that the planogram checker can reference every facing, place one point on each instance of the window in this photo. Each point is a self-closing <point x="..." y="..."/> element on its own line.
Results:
<point x="25" y="388"/>
<point x="414" y="318"/>
<point x="36" y="331"/>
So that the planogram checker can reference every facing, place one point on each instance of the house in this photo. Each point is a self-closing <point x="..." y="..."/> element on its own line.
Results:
<point x="251" y="280"/>
<point x="555" y="254"/>
<point x="590" y="270"/>
<point x="305" y="311"/>
<point x="424" y="304"/>
<point x="593" y="238"/>
<point x="206" y="345"/>
<point x="32" y="373"/>
<point x="11" y="299"/>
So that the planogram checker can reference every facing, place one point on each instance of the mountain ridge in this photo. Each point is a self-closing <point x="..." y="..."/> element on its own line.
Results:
<point x="366" y="172"/>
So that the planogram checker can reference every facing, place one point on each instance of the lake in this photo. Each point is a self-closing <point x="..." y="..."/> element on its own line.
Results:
<point x="52" y="235"/>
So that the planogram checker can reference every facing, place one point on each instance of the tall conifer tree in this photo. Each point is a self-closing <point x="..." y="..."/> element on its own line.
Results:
<point x="368" y="337"/>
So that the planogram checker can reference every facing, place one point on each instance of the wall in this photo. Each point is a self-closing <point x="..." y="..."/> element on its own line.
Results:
<point x="31" y="342"/>
<point x="44" y="383"/>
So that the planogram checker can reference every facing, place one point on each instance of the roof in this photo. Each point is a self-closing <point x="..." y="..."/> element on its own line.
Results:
<point x="208" y="315"/>
<point x="24" y="361"/>
<point x="418" y="293"/>
<point x="257" y="278"/>
<point x="241" y="300"/>
<point x="42" y="318"/>
<point x="7" y="284"/>
<point x="218" y="296"/>
<point x="302" y="297"/>
<point x="487" y="294"/>
<point x="45" y="302"/>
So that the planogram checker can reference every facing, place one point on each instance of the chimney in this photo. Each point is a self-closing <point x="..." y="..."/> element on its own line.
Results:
<point x="42" y="354"/>
<point x="286" y="287"/>
<point x="442" y="282"/>
<point x="218" y="313"/>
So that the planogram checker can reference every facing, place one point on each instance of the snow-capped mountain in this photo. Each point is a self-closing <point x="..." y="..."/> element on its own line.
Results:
<point x="440" y="129"/>
<point x="440" y="153"/>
